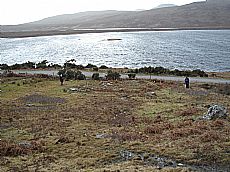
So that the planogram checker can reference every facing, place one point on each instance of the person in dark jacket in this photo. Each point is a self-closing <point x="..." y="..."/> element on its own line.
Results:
<point x="61" y="77"/>
<point x="186" y="82"/>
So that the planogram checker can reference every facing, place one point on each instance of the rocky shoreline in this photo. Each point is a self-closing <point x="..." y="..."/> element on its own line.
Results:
<point x="37" y="33"/>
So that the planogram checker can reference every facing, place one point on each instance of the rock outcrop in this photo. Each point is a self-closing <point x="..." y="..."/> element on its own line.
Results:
<point x="216" y="112"/>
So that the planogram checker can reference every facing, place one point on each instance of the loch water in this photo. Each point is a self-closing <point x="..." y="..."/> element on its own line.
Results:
<point x="207" y="50"/>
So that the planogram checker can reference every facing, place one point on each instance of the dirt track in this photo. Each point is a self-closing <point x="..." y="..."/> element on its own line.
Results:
<point x="168" y="78"/>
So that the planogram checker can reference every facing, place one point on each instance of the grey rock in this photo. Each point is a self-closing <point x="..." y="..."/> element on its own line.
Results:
<point x="102" y="136"/>
<point x="74" y="89"/>
<point x="216" y="112"/>
<point x="127" y="155"/>
<point x="150" y="94"/>
<point x="26" y="145"/>
<point x="30" y="105"/>
<point x="78" y="90"/>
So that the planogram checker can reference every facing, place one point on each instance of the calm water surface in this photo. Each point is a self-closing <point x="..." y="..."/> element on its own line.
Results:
<point x="206" y="50"/>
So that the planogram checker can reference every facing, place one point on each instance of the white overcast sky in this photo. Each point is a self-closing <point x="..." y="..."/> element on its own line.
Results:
<point x="22" y="11"/>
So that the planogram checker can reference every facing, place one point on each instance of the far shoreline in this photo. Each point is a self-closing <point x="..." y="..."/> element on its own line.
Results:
<point x="26" y="34"/>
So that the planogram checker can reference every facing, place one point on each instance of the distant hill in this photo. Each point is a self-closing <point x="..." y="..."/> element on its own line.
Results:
<point x="195" y="15"/>
<point x="165" y="6"/>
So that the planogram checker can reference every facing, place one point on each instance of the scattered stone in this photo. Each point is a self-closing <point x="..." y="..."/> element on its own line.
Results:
<point x="30" y="105"/>
<point x="215" y="112"/>
<point x="127" y="155"/>
<point x="102" y="136"/>
<point x="180" y="164"/>
<point x="78" y="89"/>
<point x="74" y="89"/>
<point x="155" y="160"/>
<point x="105" y="84"/>
<point x="150" y="95"/>
<point x="162" y="162"/>
<point x="25" y="145"/>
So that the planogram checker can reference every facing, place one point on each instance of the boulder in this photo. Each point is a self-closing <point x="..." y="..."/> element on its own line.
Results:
<point x="215" y="112"/>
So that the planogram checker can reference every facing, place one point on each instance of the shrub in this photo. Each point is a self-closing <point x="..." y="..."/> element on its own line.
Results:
<point x="79" y="76"/>
<point x="199" y="72"/>
<point x="103" y="67"/>
<point x="70" y="65"/>
<point x="42" y="64"/>
<point x="4" y="67"/>
<point x="90" y="66"/>
<point x="131" y="75"/>
<point x="95" y="76"/>
<point x="162" y="70"/>
<point x="113" y="75"/>
<point x="29" y="65"/>
<point x="95" y="68"/>
<point x="80" y="67"/>
<point x="56" y="66"/>
<point x="70" y="74"/>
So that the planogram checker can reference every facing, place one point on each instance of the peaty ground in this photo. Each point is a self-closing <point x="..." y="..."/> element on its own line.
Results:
<point x="111" y="126"/>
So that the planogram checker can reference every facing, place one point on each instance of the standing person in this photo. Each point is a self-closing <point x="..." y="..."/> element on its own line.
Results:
<point x="186" y="81"/>
<point x="61" y="78"/>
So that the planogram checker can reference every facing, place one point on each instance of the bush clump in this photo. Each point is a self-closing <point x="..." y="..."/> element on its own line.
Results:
<point x="90" y="66"/>
<point x="96" y="76"/>
<point x="79" y="76"/>
<point x="42" y="65"/>
<point x="95" y="69"/>
<point x="103" y="67"/>
<point x="71" y="74"/>
<point x="176" y="72"/>
<point x="30" y="65"/>
<point x="132" y="75"/>
<point x="113" y="75"/>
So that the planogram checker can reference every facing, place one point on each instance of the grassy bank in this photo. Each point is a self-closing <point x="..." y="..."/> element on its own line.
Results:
<point x="106" y="126"/>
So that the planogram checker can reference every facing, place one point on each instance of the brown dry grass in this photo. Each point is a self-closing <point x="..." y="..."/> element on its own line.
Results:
<point x="8" y="148"/>
<point x="165" y="125"/>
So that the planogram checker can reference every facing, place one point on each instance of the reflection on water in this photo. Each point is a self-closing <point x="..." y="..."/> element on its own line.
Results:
<point x="206" y="50"/>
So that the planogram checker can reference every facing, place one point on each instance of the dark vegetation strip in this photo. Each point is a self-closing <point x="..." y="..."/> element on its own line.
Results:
<point x="145" y="70"/>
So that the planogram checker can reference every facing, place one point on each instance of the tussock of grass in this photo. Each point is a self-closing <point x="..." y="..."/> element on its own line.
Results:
<point x="8" y="148"/>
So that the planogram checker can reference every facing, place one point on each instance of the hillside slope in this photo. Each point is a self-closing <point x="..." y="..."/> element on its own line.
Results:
<point x="195" y="15"/>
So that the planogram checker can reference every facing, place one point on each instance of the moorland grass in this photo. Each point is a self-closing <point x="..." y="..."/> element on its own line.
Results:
<point x="63" y="134"/>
